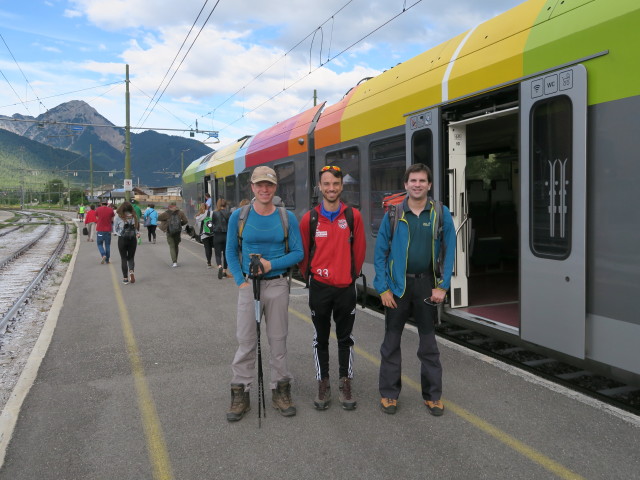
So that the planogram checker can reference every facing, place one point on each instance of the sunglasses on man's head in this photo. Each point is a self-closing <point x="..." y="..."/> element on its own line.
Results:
<point x="330" y="167"/>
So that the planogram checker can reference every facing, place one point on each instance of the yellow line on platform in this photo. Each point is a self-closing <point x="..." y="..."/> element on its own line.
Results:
<point x="529" y="452"/>
<point x="156" y="445"/>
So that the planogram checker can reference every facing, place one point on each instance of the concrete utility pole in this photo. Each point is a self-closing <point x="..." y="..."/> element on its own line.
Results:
<point x="127" y="139"/>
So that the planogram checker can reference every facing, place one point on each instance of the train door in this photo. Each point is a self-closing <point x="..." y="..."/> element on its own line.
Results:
<point x="422" y="137"/>
<point x="553" y="196"/>
<point x="483" y="183"/>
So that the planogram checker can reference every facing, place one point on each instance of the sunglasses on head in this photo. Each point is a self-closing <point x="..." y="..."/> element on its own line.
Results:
<point x="330" y="167"/>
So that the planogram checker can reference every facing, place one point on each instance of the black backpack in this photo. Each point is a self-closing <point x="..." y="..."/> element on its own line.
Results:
<point x="220" y="217"/>
<point x="128" y="231"/>
<point x="175" y="224"/>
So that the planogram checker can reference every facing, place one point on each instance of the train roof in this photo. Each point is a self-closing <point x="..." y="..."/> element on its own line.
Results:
<point x="531" y="37"/>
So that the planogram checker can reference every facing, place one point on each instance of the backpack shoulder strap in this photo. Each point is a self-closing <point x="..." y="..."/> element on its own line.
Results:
<point x="242" y="219"/>
<point x="284" y="218"/>
<point x="313" y="226"/>
<point x="394" y="212"/>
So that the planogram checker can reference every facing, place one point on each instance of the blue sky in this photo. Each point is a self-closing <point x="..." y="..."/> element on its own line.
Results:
<point x="244" y="55"/>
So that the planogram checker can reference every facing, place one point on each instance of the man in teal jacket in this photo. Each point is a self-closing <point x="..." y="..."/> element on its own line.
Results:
<point x="408" y="282"/>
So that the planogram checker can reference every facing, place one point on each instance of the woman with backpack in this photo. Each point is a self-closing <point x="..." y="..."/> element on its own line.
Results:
<point x="127" y="229"/>
<point x="203" y="221"/>
<point x="151" y="222"/>
<point x="220" y="219"/>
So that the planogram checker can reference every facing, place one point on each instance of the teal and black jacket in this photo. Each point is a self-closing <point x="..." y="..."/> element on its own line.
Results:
<point x="390" y="261"/>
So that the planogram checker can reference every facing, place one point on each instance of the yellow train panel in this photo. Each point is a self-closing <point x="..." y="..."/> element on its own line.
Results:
<point x="381" y="102"/>
<point x="493" y="53"/>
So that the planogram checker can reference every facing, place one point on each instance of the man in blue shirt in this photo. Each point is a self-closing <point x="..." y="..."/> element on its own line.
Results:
<point x="263" y="233"/>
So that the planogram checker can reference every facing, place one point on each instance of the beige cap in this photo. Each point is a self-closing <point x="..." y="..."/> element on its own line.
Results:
<point x="264" y="174"/>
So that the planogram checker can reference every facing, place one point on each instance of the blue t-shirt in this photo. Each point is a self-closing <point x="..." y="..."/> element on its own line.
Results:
<point x="262" y="234"/>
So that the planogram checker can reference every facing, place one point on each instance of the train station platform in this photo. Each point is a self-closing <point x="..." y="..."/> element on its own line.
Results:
<point x="134" y="384"/>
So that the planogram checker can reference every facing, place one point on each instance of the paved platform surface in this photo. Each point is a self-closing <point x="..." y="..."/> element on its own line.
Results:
<point x="135" y="385"/>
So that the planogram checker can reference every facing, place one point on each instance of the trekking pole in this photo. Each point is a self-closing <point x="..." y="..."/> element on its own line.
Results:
<point x="256" y="269"/>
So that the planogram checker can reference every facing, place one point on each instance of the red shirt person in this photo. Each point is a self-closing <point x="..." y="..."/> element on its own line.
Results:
<point x="331" y="269"/>
<point x="104" y="224"/>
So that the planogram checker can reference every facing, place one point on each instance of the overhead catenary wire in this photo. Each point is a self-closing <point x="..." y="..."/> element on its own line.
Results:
<point x="23" y="76"/>
<point x="283" y="56"/>
<point x="183" y="59"/>
<point x="244" y="113"/>
<point x="173" y="61"/>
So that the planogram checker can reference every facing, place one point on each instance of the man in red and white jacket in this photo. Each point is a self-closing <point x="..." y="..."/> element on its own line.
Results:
<point x="333" y="257"/>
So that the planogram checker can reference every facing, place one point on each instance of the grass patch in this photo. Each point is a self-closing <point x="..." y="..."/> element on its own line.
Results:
<point x="66" y="258"/>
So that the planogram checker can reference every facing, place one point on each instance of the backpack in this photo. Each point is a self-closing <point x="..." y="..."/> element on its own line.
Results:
<point x="392" y="205"/>
<point x="242" y="220"/>
<point x="175" y="224"/>
<point x="221" y="219"/>
<point x="128" y="231"/>
<point x="207" y="224"/>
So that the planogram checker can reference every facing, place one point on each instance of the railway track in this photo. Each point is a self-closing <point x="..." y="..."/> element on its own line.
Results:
<point x="26" y="254"/>
<point x="583" y="380"/>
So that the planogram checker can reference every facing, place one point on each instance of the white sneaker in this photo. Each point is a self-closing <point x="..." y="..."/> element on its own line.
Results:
<point x="174" y="264"/>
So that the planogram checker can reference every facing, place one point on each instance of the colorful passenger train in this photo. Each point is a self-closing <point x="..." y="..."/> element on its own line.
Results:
<point x="530" y="124"/>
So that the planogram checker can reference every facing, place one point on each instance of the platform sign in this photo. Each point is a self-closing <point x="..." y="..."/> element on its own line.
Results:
<point x="128" y="185"/>
<point x="77" y="129"/>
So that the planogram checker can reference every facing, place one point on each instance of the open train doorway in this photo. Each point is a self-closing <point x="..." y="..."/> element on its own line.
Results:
<point x="484" y="198"/>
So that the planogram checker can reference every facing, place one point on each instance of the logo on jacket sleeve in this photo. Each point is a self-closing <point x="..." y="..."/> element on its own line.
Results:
<point x="342" y="223"/>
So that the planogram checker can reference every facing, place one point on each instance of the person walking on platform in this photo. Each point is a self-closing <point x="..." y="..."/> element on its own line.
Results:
<point x="334" y="249"/>
<point x="90" y="222"/>
<point x="173" y="220"/>
<point x="136" y="209"/>
<point x="127" y="229"/>
<point x="104" y="224"/>
<point x="273" y="233"/>
<point x="204" y="224"/>
<point x="408" y="281"/>
<point x="220" y="221"/>
<point x="151" y="222"/>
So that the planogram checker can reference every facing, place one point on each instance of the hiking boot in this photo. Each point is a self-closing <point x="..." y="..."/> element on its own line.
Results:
<point x="240" y="403"/>
<point x="346" y="399"/>
<point x="323" y="399"/>
<point x="281" y="399"/>
<point x="132" y="277"/>
<point x="435" y="408"/>
<point x="389" y="405"/>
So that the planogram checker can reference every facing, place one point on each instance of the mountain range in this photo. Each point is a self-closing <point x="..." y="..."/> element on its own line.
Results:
<point x="48" y="145"/>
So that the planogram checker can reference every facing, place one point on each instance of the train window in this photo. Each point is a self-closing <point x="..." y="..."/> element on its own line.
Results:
<point x="244" y="186"/>
<point x="230" y="188"/>
<point x="386" y="166"/>
<point x="286" y="183"/>
<point x="422" y="148"/>
<point x="219" y="189"/>
<point x="349" y="161"/>
<point x="551" y="178"/>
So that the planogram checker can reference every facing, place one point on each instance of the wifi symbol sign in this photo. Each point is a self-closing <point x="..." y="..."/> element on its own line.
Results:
<point x="536" y="88"/>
